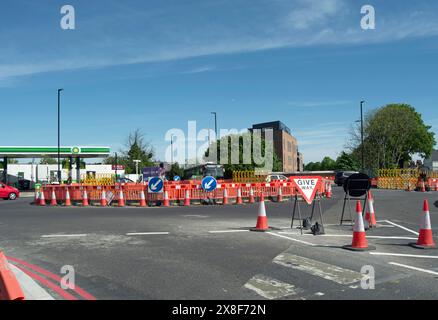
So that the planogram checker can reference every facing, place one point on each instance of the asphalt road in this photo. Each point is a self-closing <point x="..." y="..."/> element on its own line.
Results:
<point x="207" y="252"/>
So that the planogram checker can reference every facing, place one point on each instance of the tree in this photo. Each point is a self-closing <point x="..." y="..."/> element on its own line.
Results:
<point x="48" y="160"/>
<point x="328" y="164"/>
<point x="135" y="149"/>
<point x="230" y="166"/>
<point x="175" y="170"/>
<point x="345" y="162"/>
<point x="392" y="135"/>
<point x="313" y="166"/>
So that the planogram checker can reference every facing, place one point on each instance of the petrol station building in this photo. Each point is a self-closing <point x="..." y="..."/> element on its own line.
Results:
<point x="74" y="153"/>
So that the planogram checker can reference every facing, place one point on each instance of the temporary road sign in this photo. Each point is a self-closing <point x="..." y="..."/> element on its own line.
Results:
<point x="155" y="185"/>
<point x="176" y="178"/>
<point x="307" y="187"/>
<point x="209" y="184"/>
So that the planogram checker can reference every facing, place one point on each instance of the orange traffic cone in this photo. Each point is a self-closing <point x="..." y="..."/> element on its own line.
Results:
<point x="280" y="195"/>
<point x="121" y="202"/>
<point x="225" y="201"/>
<point x="423" y="186"/>
<point x="67" y="199"/>
<point x="329" y="190"/>
<point x="370" y="216"/>
<point x="142" y="199"/>
<point x="37" y="198"/>
<point x="53" y="201"/>
<point x="166" y="201"/>
<point x="187" y="199"/>
<point x="425" y="239"/>
<point x="359" y="242"/>
<point x="262" y="197"/>
<point x="239" y="196"/>
<point x="103" y="202"/>
<point x="262" y="219"/>
<point x="251" y="196"/>
<point x="42" y="199"/>
<point x="85" y="199"/>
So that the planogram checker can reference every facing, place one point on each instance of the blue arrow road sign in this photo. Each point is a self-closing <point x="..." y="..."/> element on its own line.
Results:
<point x="176" y="178"/>
<point x="156" y="185"/>
<point x="209" y="184"/>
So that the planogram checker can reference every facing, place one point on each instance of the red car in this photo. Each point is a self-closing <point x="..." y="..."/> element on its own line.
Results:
<point x="8" y="193"/>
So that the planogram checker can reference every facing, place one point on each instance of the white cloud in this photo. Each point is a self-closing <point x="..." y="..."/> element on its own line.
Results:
<point x="309" y="13"/>
<point x="149" y="36"/>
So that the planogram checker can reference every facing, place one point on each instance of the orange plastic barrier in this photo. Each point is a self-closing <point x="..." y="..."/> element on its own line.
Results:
<point x="9" y="287"/>
<point x="177" y="192"/>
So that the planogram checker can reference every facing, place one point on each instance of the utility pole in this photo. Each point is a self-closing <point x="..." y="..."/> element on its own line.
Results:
<point x="59" y="135"/>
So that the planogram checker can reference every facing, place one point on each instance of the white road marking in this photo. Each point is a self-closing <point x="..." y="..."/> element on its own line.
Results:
<point x="414" y="268"/>
<point x="63" y="235"/>
<point x="270" y="288"/>
<point x="350" y="236"/>
<point x="146" y="233"/>
<point x="401" y="227"/>
<point x="318" y="268"/>
<point x="195" y="216"/>
<point x="227" y="231"/>
<point x="403" y="255"/>
<point x="291" y="239"/>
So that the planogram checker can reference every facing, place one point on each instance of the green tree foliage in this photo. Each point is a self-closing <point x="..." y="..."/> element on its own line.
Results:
<point x="48" y="160"/>
<point x="392" y="135"/>
<point x="135" y="149"/>
<point x="327" y="164"/>
<point x="230" y="165"/>
<point x="65" y="164"/>
<point x="345" y="162"/>
<point x="175" y="170"/>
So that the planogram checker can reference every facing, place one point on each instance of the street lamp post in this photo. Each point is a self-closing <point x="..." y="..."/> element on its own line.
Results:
<point x="59" y="135"/>
<point x="215" y="130"/>
<point x="171" y="149"/>
<point x="215" y="123"/>
<point x="361" y="134"/>
<point x="136" y="166"/>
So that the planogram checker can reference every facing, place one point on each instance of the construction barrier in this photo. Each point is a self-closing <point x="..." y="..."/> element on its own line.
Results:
<point x="9" y="287"/>
<point x="173" y="194"/>
<point x="407" y="179"/>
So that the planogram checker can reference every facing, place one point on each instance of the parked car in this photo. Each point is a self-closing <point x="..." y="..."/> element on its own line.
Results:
<point x="341" y="176"/>
<point x="276" y="177"/>
<point x="8" y="192"/>
<point x="124" y="180"/>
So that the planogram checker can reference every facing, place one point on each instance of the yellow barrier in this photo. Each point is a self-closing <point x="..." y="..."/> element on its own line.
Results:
<point x="100" y="179"/>
<point x="248" y="177"/>
<point x="402" y="179"/>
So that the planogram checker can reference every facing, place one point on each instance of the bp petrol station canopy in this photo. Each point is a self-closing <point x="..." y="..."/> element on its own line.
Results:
<point x="65" y="152"/>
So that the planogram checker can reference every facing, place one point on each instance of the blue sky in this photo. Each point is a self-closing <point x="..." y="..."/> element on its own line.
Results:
<point x="154" y="65"/>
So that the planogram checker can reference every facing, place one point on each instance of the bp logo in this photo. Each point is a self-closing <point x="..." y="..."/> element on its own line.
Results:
<point x="75" y="150"/>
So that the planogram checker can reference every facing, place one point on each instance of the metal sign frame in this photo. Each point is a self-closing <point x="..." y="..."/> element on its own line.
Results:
<point x="297" y="207"/>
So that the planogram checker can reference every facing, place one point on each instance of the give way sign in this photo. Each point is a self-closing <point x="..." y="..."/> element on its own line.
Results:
<point x="307" y="187"/>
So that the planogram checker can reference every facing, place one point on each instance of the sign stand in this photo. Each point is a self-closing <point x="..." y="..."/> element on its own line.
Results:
<point x="356" y="189"/>
<point x="348" y="199"/>
<point x="298" y="208"/>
